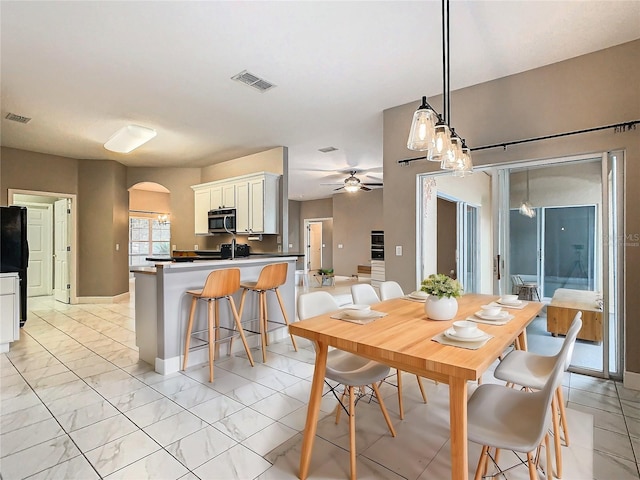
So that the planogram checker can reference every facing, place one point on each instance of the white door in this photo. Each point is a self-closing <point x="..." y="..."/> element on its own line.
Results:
<point x="40" y="246"/>
<point x="61" y="287"/>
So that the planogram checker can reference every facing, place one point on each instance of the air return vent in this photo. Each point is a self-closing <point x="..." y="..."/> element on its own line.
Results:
<point x="17" y="118"/>
<point x="327" y="149"/>
<point x="254" y="81"/>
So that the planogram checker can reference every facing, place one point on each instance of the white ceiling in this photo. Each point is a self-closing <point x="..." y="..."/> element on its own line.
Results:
<point x="82" y="70"/>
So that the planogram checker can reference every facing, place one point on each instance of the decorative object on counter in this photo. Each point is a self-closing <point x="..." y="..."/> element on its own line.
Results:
<point x="441" y="304"/>
<point x="163" y="218"/>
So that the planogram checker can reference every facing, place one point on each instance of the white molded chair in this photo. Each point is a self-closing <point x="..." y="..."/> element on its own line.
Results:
<point x="348" y="369"/>
<point x="390" y="289"/>
<point x="363" y="293"/>
<point x="532" y="371"/>
<point x="518" y="420"/>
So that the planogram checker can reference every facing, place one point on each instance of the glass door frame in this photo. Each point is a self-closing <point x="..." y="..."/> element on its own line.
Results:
<point x="612" y="258"/>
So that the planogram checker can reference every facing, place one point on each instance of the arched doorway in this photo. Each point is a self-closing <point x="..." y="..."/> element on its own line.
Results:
<point x="149" y="222"/>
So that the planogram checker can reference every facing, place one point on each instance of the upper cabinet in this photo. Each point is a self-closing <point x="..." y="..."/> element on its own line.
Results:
<point x="255" y="198"/>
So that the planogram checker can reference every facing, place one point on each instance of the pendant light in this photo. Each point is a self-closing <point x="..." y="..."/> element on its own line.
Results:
<point x="525" y="208"/>
<point x="436" y="138"/>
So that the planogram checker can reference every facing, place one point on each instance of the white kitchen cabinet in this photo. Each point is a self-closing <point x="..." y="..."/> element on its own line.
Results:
<point x="223" y="196"/>
<point x="9" y="310"/>
<point x="257" y="204"/>
<point x="377" y="272"/>
<point x="202" y="205"/>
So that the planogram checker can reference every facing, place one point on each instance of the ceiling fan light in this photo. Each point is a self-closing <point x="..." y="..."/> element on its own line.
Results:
<point x="129" y="138"/>
<point x="352" y="187"/>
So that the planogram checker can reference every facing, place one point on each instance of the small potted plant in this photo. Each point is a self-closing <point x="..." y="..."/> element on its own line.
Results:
<point x="326" y="275"/>
<point x="441" y="304"/>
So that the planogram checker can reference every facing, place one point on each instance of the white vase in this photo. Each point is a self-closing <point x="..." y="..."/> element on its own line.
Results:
<point x="440" y="308"/>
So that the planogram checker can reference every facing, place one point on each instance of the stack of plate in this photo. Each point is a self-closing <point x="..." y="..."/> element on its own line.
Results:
<point x="476" y="337"/>
<point x="500" y="316"/>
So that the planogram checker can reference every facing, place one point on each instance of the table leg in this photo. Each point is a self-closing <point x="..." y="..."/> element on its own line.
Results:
<point x="458" y="425"/>
<point x="313" y="409"/>
<point x="523" y="339"/>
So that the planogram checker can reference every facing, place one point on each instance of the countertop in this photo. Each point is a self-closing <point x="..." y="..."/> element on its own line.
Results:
<point x="169" y="265"/>
<point x="191" y="255"/>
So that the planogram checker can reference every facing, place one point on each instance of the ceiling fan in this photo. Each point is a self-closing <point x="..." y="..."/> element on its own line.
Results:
<point x="353" y="183"/>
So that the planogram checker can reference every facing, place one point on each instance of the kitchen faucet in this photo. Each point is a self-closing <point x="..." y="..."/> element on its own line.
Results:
<point x="233" y="237"/>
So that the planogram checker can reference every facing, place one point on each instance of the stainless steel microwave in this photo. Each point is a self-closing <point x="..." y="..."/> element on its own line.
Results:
<point x="222" y="220"/>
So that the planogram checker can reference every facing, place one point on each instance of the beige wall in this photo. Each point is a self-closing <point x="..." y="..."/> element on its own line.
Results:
<point x="178" y="181"/>
<point x="596" y="89"/>
<point x="25" y="170"/>
<point x="148" y="201"/>
<point x="355" y="215"/>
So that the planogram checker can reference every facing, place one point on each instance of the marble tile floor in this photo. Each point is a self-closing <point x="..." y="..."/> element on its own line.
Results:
<point x="77" y="404"/>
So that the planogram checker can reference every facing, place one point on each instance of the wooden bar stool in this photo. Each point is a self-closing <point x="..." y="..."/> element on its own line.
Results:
<point x="219" y="284"/>
<point x="271" y="277"/>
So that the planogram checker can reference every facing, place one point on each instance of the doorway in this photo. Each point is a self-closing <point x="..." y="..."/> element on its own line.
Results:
<point x="318" y="233"/>
<point x="51" y="236"/>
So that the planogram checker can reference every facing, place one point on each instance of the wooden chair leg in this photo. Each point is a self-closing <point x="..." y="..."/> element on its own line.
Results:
<point x="533" y="474"/>
<point x="265" y="318"/>
<point x="556" y="436"/>
<point x="547" y="444"/>
<point x="496" y="457"/>
<point x="217" y="326"/>
<point x="242" y="298"/>
<point x="286" y="319"/>
<point x="482" y="462"/>
<point x="262" y="321"/>
<point x="340" y="403"/>
<point x="424" y="394"/>
<point x="352" y="432"/>
<point x="400" y="404"/>
<point x="187" y="343"/>
<point x="236" y="317"/>
<point x="384" y="410"/>
<point x="211" y="337"/>
<point x="563" y="415"/>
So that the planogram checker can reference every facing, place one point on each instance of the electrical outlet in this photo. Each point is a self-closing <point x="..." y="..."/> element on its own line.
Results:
<point x="279" y="248"/>
<point x="291" y="245"/>
<point x="339" y="245"/>
<point x="117" y="247"/>
<point x="173" y="247"/>
<point x="195" y="247"/>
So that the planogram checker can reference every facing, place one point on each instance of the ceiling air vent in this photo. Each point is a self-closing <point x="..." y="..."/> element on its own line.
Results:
<point x="254" y="81"/>
<point x="17" y="118"/>
<point x="327" y="149"/>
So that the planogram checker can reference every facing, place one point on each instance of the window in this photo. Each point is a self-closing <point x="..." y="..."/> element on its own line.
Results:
<point x="147" y="236"/>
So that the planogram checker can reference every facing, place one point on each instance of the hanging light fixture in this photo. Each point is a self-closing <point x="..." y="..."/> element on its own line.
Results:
<point x="525" y="208"/>
<point x="431" y="132"/>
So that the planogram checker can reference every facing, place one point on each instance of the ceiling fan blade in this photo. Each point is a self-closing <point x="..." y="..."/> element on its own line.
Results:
<point x="366" y="189"/>
<point x="336" y="189"/>
<point x="368" y="184"/>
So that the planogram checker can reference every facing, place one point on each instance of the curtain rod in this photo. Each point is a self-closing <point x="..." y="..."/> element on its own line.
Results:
<point x="619" y="127"/>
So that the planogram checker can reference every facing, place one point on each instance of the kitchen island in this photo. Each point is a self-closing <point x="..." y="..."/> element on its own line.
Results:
<point x="162" y="306"/>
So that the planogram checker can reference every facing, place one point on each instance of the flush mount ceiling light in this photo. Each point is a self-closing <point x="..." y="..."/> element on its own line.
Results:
<point x="431" y="132"/>
<point x="129" y="138"/>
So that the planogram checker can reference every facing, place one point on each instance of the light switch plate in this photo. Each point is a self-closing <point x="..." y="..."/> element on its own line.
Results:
<point x="339" y="245"/>
<point x="398" y="250"/>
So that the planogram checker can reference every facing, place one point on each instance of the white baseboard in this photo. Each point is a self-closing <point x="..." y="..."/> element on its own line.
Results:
<point x="123" y="297"/>
<point x="201" y="356"/>
<point x="631" y="380"/>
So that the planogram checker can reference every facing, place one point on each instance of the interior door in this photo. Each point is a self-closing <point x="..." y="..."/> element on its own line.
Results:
<point x="314" y="245"/>
<point x="61" y="247"/>
<point x="40" y="246"/>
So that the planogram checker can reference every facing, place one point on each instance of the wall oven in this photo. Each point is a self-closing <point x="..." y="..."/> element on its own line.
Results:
<point x="221" y="218"/>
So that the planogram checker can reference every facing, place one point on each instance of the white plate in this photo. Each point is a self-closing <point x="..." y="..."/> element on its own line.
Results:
<point x="517" y="303"/>
<point x="451" y="333"/>
<point x="500" y="316"/>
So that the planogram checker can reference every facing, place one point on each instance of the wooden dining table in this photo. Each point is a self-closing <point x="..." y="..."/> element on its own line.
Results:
<point x="403" y="339"/>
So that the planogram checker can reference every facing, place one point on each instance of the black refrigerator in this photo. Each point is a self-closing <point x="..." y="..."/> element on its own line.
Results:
<point x="14" y="250"/>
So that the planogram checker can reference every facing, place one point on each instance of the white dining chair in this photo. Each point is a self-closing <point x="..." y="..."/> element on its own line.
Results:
<point x="363" y="293"/>
<point x="532" y="371"/>
<point x="352" y="371"/>
<point x="518" y="420"/>
<point x="390" y="289"/>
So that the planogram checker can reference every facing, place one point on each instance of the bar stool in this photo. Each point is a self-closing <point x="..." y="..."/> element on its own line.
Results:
<point x="219" y="284"/>
<point x="271" y="277"/>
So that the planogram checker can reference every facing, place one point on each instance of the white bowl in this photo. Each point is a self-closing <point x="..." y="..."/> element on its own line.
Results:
<point x="509" y="298"/>
<point x="465" y="328"/>
<point x="419" y="294"/>
<point x="357" y="310"/>
<point x="491" y="310"/>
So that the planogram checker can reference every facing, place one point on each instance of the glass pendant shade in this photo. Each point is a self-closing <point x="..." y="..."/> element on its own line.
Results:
<point x="421" y="135"/>
<point x="451" y="158"/>
<point x="442" y="142"/>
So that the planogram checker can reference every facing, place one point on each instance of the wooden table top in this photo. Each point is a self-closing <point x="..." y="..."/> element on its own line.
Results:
<point x="402" y="339"/>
